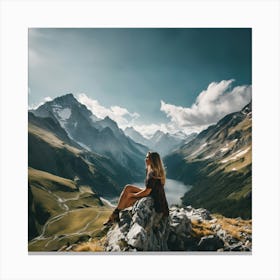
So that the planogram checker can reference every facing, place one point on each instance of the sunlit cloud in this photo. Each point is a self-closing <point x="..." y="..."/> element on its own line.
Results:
<point x="119" y="114"/>
<point x="212" y="104"/>
<point x="35" y="106"/>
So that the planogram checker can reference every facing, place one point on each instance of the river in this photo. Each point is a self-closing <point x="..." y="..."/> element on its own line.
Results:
<point x="174" y="190"/>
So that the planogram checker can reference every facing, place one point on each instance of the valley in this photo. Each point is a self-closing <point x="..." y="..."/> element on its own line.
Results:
<point x="78" y="164"/>
<point x="218" y="163"/>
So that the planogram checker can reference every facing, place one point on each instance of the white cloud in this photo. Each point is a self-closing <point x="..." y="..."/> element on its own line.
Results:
<point x="121" y="115"/>
<point x="212" y="104"/>
<point x="46" y="99"/>
<point x="35" y="106"/>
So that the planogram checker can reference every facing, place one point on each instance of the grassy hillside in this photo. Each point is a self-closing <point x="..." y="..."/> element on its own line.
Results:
<point x="62" y="212"/>
<point x="228" y="194"/>
<point x="218" y="163"/>
<point x="49" y="153"/>
<point x="65" y="183"/>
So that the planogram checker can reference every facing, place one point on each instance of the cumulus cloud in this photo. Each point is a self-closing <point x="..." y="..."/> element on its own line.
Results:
<point x="35" y="106"/>
<point x="119" y="114"/>
<point x="46" y="99"/>
<point x="212" y="104"/>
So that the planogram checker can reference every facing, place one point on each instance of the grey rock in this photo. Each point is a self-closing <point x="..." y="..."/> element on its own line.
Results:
<point x="140" y="229"/>
<point x="189" y="208"/>
<point x="221" y="233"/>
<point x="235" y="247"/>
<point x="213" y="221"/>
<point x="180" y="231"/>
<point x="136" y="237"/>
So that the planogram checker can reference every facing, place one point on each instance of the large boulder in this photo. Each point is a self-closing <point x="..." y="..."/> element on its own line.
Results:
<point x="140" y="229"/>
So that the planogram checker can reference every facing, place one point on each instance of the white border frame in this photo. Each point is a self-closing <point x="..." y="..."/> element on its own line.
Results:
<point x="18" y="16"/>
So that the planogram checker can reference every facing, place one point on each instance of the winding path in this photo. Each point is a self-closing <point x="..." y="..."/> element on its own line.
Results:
<point x="65" y="208"/>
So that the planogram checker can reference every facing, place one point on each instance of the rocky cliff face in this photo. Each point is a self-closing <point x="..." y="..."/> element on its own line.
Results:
<point x="186" y="229"/>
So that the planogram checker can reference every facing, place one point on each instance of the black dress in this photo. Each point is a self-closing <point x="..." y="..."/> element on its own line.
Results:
<point x="157" y="193"/>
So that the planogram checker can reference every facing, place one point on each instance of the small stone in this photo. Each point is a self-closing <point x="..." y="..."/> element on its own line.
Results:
<point x="213" y="221"/>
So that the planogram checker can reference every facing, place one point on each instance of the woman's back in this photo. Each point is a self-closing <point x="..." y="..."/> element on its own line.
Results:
<point x="157" y="193"/>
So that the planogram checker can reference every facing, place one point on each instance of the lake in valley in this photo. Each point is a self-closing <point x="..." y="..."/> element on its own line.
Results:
<point x="174" y="190"/>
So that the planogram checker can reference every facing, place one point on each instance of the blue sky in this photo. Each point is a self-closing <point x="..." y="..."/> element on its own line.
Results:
<point x="169" y="79"/>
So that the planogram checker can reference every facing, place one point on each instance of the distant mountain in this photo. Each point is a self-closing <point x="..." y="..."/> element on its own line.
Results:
<point x="136" y="136"/>
<point x="163" y="143"/>
<point x="218" y="163"/>
<point x="107" y="122"/>
<point x="182" y="135"/>
<point x="99" y="136"/>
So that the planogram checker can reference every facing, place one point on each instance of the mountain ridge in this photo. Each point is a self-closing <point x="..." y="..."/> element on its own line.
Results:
<point x="218" y="163"/>
<point x="69" y="178"/>
<point x="94" y="134"/>
<point x="161" y="142"/>
<point x="48" y="152"/>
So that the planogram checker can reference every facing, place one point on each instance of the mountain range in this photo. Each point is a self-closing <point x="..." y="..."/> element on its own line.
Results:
<point x="218" y="163"/>
<point x="103" y="137"/>
<point x="163" y="143"/>
<point x="76" y="160"/>
<point x="69" y="175"/>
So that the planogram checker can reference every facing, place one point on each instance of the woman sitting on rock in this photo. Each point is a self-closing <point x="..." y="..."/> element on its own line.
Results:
<point x="154" y="182"/>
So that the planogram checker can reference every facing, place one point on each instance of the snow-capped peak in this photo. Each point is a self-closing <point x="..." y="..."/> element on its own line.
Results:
<point x="64" y="114"/>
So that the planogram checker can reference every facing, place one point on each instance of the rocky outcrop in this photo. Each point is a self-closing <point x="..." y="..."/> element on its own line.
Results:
<point x="142" y="229"/>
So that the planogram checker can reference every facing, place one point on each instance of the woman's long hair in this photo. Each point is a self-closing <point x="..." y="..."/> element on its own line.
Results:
<point x="157" y="166"/>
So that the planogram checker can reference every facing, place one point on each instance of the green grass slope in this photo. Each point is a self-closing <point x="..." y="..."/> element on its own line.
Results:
<point x="61" y="212"/>
<point x="49" y="153"/>
<point x="218" y="164"/>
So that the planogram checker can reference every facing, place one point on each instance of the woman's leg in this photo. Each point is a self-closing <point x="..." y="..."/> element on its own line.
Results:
<point x="126" y="201"/>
